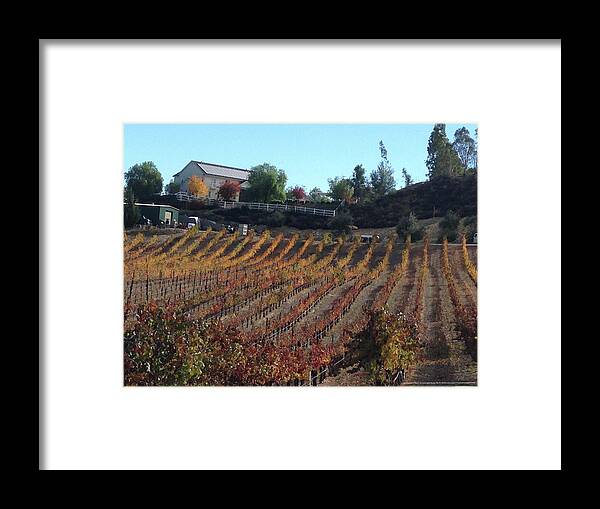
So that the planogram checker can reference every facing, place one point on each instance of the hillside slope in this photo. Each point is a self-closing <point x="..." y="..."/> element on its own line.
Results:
<point x="426" y="199"/>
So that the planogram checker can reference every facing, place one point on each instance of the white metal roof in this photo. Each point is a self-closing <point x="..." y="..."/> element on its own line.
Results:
<point x="223" y="171"/>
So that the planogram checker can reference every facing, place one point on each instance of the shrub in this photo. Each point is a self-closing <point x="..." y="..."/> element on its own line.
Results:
<point x="275" y="219"/>
<point x="306" y="221"/>
<point x="448" y="227"/>
<point x="451" y="221"/>
<point x="387" y="346"/>
<point x="131" y="212"/>
<point x="165" y="346"/>
<point x="162" y="348"/>
<point x="409" y="225"/>
<point x="469" y="228"/>
<point x="449" y="235"/>
<point x="341" y="223"/>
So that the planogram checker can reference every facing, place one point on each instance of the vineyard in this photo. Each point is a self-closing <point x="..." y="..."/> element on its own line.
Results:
<point x="213" y="308"/>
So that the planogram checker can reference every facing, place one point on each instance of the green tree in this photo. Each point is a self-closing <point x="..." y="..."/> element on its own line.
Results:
<point x="341" y="188"/>
<point x="468" y="228"/>
<point x="466" y="148"/>
<point x="408" y="180"/>
<point x="319" y="196"/>
<point x="382" y="178"/>
<point x="448" y="227"/>
<point x="266" y="183"/>
<point x="172" y="188"/>
<point x="408" y="225"/>
<point x="359" y="181"/>
<point x="442" y="159"/>
<point x="144" y="180"/>
<point x="316" y="194"/>
<point x="131" y="212"/>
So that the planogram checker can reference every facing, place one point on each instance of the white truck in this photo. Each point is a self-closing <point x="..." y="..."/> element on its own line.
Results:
<point x="192" y="221"/>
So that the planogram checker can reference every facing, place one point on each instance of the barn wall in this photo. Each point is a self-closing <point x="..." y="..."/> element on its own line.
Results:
<point x="175" y="213"/>
<point x="152" y="213"/>
<point x="190" y="169"/>
<point x="213" y="182"/>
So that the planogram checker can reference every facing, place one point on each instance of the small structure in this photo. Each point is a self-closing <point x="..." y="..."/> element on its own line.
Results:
<point x="243" y="229"/>
<point x="367" y="238"/>
<point x="157" y="213"/>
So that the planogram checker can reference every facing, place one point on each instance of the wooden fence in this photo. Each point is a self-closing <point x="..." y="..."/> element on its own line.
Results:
<point x="299" y="209"/>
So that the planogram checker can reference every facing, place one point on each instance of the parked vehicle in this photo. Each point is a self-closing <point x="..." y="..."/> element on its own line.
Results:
<point x="367" y="238"/>
<point x="192" y="221"/>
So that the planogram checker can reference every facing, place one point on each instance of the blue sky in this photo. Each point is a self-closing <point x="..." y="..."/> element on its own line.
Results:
<point x="309" y="153"/>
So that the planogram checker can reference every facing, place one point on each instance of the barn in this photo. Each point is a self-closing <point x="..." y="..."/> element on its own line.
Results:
<point x="157" y="213"/>
<point x="213" y="175"/>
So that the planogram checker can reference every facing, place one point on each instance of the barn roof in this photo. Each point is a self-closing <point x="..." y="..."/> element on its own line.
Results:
<point x="219" y="170"/>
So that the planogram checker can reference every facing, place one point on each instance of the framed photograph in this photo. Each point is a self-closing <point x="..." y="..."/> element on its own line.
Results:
<point x="274" y="274"/>
<point x="300" y="255"/>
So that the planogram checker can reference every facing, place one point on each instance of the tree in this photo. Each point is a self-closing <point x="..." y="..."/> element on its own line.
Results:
<point x="298" y="193"/>
<point x="144" y="180"/>
<point x="408" y="225"/>
<point x="442" y="159"/>
<point x="197" y="187"/>
<point x="229" y="190"/>
<point x="469" y="228"/>
<point x="315" y="194"/>
<point x="408" y="180"/>
<point x="172" y="188"/>
<point x="266" y="183"/>
<point x="318" y="196"/>
<point x="382" y="178"/>
<point x="341" y="188"/>
<point x="359" y="181"/>
<point x="131" y="212"/>
<point x="448" y="227"/>
<point x="466" y="148"/>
